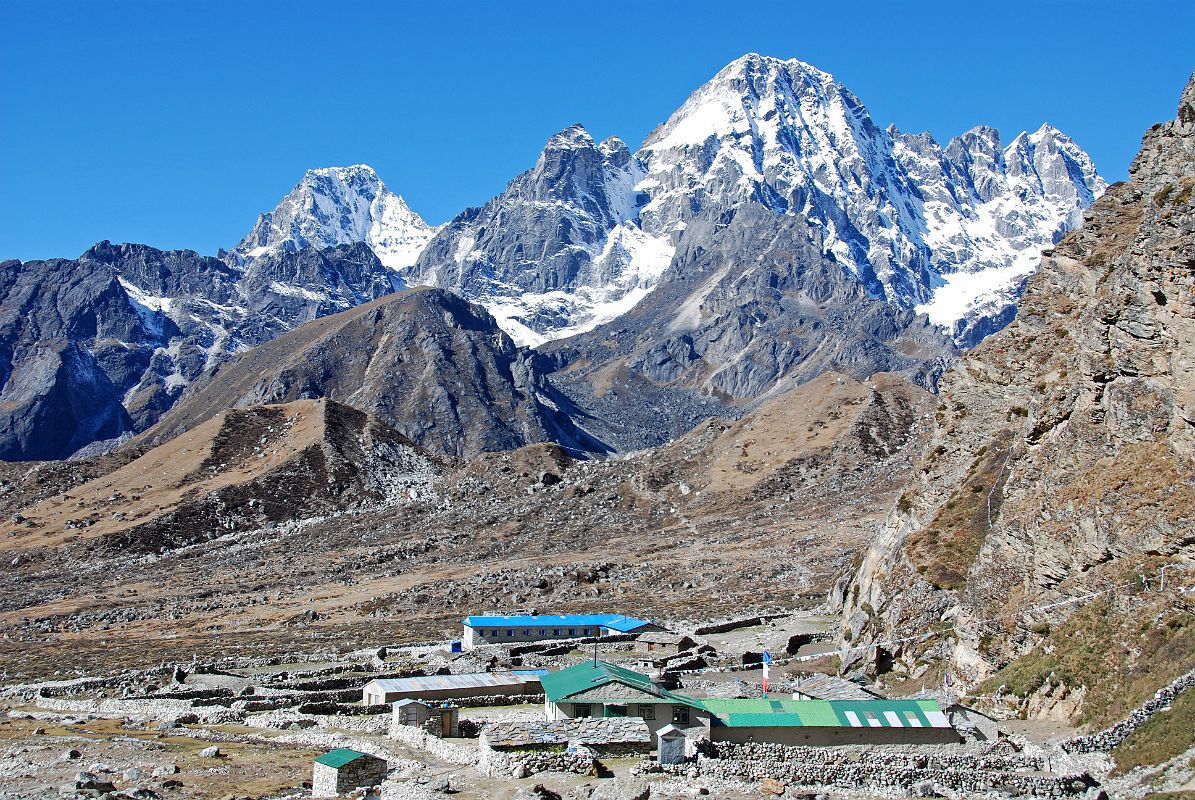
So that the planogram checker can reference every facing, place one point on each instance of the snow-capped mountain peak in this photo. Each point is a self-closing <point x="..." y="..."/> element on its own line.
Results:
<point x="340" y="205"/>
<point x="905" y="216"/>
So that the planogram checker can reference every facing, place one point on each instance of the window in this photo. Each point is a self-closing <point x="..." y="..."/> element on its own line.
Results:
<point x="647" y="711"/>
<point x="556" y="631"/>
<point x="509" y="632"/>
<point x="680" y="715"/>
<point x="572" y="631"/>
<point x="585" y="631"/>
<point x="540" y="632"/>
<point x="581" y="710"/>
<point x="526" y="632"/>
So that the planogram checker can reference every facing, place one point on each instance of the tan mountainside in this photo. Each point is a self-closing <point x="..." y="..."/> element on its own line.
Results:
<point x="759" y="512"/>
<point x="242" y="469"/>
<point x="1061" y="476"/>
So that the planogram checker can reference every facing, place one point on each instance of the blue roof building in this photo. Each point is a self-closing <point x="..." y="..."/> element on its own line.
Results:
<point x="513" y="628"/>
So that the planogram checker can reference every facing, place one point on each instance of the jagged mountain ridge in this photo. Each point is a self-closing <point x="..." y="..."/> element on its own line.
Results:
<point x="569" y="247"/>
<point x="98" y="348"/>
<point x="1062" y="464"/>
<point x="559" y="251"/>
<point x="898" y="211"/>
<point x="587" y="232"/>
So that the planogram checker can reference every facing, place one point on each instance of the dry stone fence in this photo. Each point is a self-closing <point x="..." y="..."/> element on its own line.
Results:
<point x="1110" y="737"/>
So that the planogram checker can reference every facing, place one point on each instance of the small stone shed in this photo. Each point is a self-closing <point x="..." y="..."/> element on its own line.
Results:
<point x="342" y="770"/>
<point x="412" y="713"/>
<point x="663" y="644"/>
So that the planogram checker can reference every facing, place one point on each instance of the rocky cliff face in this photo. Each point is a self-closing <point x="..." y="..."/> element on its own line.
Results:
<point x="1063" y="464"/>
<point x="426" y="362"/>
<point x="99" y="347"/>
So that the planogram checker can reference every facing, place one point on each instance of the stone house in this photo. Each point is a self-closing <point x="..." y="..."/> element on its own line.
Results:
<point x="509" y="628"/>
<point x="342" y="770"/>
<point x="659" y="644"/>
<point x="602" y="689"/>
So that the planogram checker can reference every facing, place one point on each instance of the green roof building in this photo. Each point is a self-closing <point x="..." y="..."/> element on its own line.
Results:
<point x="341" y="770"/>
<point x="602" y="689"/>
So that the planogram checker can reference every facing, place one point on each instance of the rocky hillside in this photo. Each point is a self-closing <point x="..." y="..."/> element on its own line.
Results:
<point x="759" y="512"/>
<point x="426" y="362"/>
<point x="1061" y="475"/>
<point x="243" y="469"/>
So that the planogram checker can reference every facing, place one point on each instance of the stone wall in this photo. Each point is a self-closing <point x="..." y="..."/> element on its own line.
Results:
<point x="444" y="749"/>
<point x="996" y="758"/>
<point x="523" y="763"/>
<point x="1110" y="737"/>
<point x="143" y="710"/>
<point x="735" y="624"/>
<point x="858" y="768"/>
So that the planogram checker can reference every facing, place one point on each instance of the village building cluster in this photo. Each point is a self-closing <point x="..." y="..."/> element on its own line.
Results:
<point x="595" y="708"/>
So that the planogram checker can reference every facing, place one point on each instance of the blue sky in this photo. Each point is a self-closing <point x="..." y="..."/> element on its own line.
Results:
<point x="176" y="123"/>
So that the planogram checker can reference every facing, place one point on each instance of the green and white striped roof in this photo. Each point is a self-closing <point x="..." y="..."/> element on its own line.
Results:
<point x="760" y="713"/>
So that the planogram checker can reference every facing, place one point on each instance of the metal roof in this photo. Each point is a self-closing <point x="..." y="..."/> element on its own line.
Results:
<point x="589" y="675"/>
<point x="472" y="680"/>
<point x="339" y="757"/>
<point x="751" y="713"/>
<point x="615" y="622"/>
